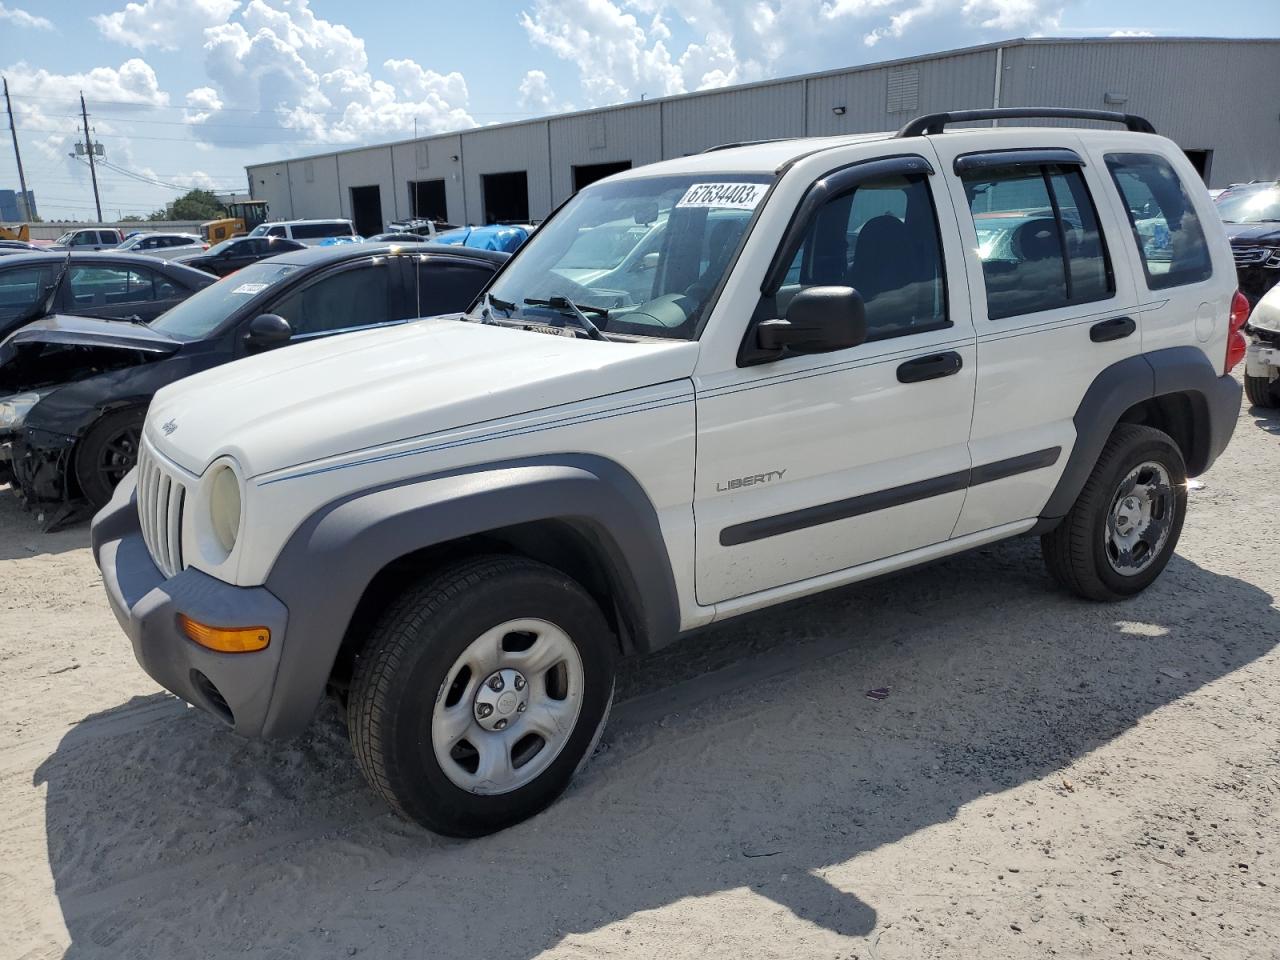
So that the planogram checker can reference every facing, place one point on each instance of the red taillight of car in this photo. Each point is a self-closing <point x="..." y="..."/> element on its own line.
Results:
<point x="205" y="245"/>
<point x="1237" y="345"/>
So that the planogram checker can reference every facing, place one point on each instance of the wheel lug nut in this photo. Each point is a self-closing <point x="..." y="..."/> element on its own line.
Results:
<point x="500" y="724"/>
<point x="495" y="682"/>
<point x="483" y="710"/>
<point x="520" y="707"/>
<point x="519" y="682"/>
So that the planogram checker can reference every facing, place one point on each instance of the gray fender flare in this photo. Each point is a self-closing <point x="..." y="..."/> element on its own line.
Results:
<point x="1214" y="407"/>
<point x="329" y="561"/>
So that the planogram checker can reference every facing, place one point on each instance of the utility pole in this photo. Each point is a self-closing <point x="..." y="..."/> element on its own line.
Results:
<point x="22" y="177"/>
<point x="89" y="145"/>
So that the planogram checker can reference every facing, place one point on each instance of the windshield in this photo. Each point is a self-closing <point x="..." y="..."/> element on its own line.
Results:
<point x="65" y="238"/>
<point x="224" y="245"/>
<point x="643" y="256"/>
<point x="1252" y="206"/>
<point x="259" y="231"/>
<point x="201" y="313"/>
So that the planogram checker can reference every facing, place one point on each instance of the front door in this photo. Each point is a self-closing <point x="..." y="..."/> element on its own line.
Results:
<point x="810" y="464"/>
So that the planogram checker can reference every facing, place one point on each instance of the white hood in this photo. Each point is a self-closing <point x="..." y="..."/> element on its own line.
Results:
<point x="305" y="402"/>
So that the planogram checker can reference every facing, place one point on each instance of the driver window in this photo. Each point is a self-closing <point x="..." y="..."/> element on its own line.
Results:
<point x="356" y="297"/>
<point x="881" y="238"/>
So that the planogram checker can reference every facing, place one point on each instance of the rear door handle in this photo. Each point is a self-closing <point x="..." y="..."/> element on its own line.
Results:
<point x="1117" y="328"/>
<point x="931" y="367"/>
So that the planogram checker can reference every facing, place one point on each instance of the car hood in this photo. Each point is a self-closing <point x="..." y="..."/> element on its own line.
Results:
<point x="1242" y="232"/>
<point x="89" y="332"/>
<point x="357" y="391"/>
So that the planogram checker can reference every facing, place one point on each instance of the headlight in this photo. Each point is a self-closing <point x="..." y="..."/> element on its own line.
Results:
<point x="14" y="410"/>
<point x="224" y="507"/>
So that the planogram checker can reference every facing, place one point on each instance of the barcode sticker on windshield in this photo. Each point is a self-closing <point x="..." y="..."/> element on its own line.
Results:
<point x="251" y="288"/>
<point x="735" y="196"/>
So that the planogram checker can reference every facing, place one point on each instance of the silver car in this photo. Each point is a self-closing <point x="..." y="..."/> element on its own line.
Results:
<point x="166" y="246"/>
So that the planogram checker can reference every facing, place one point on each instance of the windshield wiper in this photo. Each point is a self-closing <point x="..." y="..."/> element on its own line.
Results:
<point x="566" y="307"/>
<point x="487" y="304"/>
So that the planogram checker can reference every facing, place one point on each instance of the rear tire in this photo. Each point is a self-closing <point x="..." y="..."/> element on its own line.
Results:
<point x="1124" y="526"/>
<point x="503" y="651"/>
<point x="108" y="451"/>
<point x="1262" y="391"/>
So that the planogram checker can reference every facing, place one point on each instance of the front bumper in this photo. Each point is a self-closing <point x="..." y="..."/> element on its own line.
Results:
<point x="1262" y="359"/>
<point x="40" y="464"/>
<point x="235" y="687"/>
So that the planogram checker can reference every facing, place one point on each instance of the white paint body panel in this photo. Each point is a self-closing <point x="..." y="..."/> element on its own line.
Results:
<point x="324" y="420"/>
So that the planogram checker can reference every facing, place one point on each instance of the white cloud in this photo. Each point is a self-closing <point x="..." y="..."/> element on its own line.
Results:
<point x="202" y="103"/>
<point x="308" y="79"/>
<point x="21" y="18"/>
<point x="165" y="24"/>
<point x="1130" y="32"/>
<point x="535" y="93"/>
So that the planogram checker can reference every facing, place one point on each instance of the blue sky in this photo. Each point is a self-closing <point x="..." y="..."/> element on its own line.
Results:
<point x="186" y="92"/>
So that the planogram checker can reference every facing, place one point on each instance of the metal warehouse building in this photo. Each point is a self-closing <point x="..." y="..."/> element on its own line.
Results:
<point x="1218" y="99"/>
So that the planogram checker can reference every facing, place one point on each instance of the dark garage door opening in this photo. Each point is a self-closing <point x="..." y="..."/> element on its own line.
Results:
<point x="588" y="173"/>
<point x="506" y="197"/>
<point x="427" y="201"/>
<point x="366" y="210"/>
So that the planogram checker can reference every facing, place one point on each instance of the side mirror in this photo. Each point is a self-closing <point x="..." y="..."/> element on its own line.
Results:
<point x="648" y="262"/>
<point x="819" y="320"/>
<point x="268" y="330"/>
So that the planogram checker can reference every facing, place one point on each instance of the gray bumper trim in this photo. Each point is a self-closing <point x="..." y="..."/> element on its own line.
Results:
<point x="147" y="607"/>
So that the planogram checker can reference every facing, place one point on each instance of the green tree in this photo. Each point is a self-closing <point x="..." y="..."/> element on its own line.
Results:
<point x="195" y="205"/>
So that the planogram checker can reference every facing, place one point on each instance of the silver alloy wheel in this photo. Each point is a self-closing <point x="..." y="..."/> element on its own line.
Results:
<point x="507" y="707"/>
<point x="1141" y="516"/>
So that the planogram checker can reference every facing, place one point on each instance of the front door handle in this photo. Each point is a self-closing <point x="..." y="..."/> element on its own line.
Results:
<point x="1117" y="328"/>
<point x="931" y="367"/>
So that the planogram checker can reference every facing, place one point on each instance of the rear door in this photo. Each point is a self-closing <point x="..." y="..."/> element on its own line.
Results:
<point x="1050" y="307"/>
<point x="110" y="290"/>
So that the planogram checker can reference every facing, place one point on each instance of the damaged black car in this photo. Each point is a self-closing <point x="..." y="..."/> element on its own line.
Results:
<point x="74" y="391"/>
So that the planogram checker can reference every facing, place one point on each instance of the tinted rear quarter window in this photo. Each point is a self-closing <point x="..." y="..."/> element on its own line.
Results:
<point x="1164" y="222"/>
<point x="318" y="231"/>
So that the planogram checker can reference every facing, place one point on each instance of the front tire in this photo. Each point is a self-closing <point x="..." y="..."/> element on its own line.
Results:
<point x="1262" y="391"/>
<point x="479" y="694"/>
<point x="108" y="451"/>
<point x="1124" y="526"/>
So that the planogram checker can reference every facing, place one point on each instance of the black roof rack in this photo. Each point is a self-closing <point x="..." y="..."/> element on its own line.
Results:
<point x="745" y="143"/>
<point x="934" y="122"/>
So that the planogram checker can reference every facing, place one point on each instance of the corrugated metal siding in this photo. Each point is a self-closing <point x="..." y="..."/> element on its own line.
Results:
<point x="631" y="133"/>
<point x="270" y="182"/>
<point x="440" y="165"/>
<point x="761" y="113"/>
<point x="1204" y="94"/>
<point x="945" y="83"/>
<point x="503" y="150"/>
<point x="368" y="168"/>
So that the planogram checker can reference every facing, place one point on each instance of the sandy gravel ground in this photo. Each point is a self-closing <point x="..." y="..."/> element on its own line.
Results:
<point x="1046" y="778"/>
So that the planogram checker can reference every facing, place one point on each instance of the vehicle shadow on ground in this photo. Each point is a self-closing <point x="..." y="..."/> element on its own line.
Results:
<point x="1267" y="419"/>
<point x="180" y="836"/>
<point x="23" y="536"/>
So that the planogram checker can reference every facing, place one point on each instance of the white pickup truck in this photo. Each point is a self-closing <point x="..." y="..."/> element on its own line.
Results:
<point x="836" y="358"/>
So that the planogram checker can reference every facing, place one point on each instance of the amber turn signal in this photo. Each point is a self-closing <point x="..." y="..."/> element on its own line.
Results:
<point x="225" y="639"/>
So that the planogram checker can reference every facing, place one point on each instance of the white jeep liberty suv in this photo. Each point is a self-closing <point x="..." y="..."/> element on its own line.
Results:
<point x="703" y="387"/>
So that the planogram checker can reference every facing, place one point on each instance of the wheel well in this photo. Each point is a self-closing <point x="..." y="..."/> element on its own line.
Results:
<point x="1184" y="417"/>
<point x="572" y="548"/>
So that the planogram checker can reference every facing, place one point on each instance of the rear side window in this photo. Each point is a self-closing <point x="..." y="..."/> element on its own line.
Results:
<point x="21" y="289"/>
<point x="1164" y="222"/>
<point x="1038" y="238"/>
<point x="882" y="239"/>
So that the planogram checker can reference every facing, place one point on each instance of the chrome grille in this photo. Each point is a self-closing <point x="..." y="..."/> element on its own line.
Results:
<point x="161" y="495"/>
<point x="1251" y="256"/>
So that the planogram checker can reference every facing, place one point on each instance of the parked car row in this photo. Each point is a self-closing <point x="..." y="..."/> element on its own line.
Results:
<point x="74" y="386"/>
